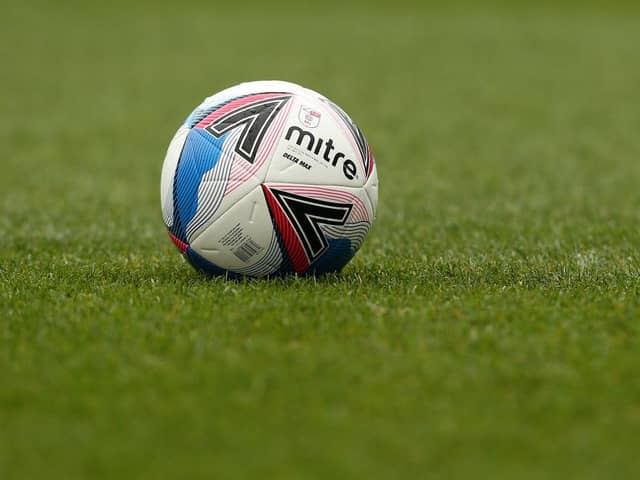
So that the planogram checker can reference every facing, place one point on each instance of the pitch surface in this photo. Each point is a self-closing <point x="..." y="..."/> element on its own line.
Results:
<point x="488" y="328"/>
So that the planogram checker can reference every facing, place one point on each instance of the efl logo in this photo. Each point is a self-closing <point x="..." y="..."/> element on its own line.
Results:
<point x="309" y="117"/>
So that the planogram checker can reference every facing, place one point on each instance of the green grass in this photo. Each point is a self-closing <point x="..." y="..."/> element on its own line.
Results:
<point x="487" y="329"/>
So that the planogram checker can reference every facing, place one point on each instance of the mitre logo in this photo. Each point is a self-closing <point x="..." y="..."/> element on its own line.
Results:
<point x="323" y="149"/>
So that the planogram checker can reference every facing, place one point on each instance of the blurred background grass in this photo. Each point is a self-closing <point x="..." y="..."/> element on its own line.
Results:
<point x="488" y="327"/>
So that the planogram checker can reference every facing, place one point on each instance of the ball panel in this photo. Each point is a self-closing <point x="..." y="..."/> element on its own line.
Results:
<point x="168" y="174"/>
<point x="220" y="187"/>
<point x="246" y="129"/>
<point x="200" y="154"/>
<point x="314" y="149"/>
<point x="257" y="120"/>
<point x="242" y="239"/>
<point x="320" y="228"/>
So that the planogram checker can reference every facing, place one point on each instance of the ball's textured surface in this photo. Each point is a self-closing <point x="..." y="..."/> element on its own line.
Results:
<point x="268" y="178"/>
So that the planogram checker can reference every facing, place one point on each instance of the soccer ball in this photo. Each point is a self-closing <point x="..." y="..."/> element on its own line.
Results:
<point x="268" y="178"/>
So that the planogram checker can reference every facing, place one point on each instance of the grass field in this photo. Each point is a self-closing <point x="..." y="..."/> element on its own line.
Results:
<point x="489" y="328"/>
